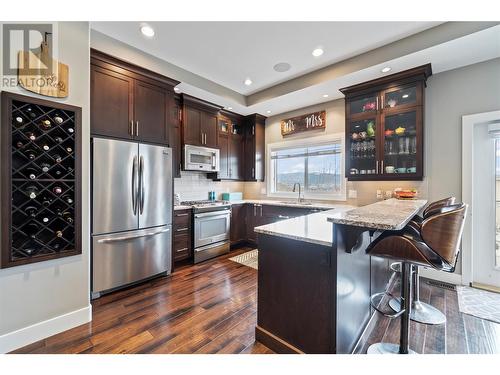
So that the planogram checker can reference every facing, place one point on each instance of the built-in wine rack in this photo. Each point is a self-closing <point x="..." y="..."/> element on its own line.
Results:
<point x="41" y="172"/>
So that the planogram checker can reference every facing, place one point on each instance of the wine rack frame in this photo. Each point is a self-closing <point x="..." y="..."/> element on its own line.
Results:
<point x="14" y="181"/>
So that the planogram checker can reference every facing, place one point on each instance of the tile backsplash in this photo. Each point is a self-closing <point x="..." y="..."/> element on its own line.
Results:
<point x="196" y="185"/>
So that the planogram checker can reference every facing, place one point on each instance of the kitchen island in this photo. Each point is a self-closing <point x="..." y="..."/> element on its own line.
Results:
<point x="315" y="278"/>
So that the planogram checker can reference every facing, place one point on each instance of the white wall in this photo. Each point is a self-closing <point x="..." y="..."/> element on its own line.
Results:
<point x="31" y="296"/>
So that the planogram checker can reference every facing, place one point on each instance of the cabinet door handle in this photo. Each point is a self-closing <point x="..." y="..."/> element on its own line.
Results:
<point x="382" y="167"/>
<point x="131" y="128"/>
<point x="253" y="130"/>
<point x="181" y="250"/>
<point x="253" y="172"/>
<point x="181" y="229"/>
<point x="137" y="128"/>
<point x="179" y="215"/>
<point x="377" y="102"/>
<point x="254" y="210"/>
<point x="283" y="217"/>
<point x="377" y="167"/>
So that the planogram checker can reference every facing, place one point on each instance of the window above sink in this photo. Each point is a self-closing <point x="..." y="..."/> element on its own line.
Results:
<point x="316" y="163"/>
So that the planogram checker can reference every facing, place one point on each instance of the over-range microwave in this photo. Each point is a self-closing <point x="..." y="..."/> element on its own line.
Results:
<point x="202" y="159"/>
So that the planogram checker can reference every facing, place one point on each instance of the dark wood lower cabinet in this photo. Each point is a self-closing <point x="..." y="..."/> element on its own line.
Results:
<point x="182" y="239"/>
<point x="238" y="223"/>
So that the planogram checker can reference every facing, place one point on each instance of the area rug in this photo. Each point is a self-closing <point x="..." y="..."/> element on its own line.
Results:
<point x="479" y="303"/>
<point x="250" y="258"/>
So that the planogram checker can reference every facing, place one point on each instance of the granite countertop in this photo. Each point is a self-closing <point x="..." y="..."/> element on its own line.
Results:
<point x="391" y="214"/>
<point x="314" y="228"/>
<point x="181" y="207"/>
<point x="291" y="203"/>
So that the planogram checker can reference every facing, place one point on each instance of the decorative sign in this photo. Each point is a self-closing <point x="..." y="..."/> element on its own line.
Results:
<point x="311" y="121"/>
<point x="35" y="76"/>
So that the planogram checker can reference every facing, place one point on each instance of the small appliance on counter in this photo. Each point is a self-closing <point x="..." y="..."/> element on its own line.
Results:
<point x="231" y="197"/>
<point x="212" y="225"/>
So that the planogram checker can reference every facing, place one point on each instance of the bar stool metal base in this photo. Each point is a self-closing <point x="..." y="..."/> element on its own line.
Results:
<point x="421" y="312"/>
<point x="386" y="348"/>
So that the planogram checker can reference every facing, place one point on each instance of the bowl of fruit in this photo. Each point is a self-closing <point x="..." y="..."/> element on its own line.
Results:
<point x="405" y="193"/>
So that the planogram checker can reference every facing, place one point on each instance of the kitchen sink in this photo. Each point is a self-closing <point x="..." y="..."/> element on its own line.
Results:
<point x="297" y="203"/>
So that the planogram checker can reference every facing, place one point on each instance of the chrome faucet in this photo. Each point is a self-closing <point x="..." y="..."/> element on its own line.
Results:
<point x="294" y="185"/>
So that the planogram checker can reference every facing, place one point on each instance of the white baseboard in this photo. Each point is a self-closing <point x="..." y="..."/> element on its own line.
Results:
<point x="450" y="278"/>
<point x="27" y="335"/>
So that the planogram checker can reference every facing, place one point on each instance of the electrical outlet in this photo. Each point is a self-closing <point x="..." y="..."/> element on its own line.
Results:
<point x="353" y="194"/>
<point x="380" y="195"/>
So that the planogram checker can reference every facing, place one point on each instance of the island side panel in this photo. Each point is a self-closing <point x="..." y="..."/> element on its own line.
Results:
<point x="295" y="296"/>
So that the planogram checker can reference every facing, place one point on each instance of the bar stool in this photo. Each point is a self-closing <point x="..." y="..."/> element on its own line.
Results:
<point x="435" y="245"/>
<point x="421" y="312"/>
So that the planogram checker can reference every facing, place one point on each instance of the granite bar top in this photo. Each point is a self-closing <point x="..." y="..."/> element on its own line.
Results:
<point x="292" y="203"/>
<point x="391" y="214"/>
<point x="314" y="228"/>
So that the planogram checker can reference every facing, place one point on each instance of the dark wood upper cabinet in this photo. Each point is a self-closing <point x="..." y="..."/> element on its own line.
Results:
<point x="111" y="103"/>
<point x="129" y="102"/>
<point x="255" y="147"/>
<point x="384" y="127"/>
<point x="199" y="125"/>
<point x="175" y="134"/>
<point x="151" y="113"/>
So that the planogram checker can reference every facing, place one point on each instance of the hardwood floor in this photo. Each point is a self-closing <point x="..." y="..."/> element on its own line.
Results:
<point x="462" y="333"/>
<point x="211" y="308"/>
<point x="205" y="308"/>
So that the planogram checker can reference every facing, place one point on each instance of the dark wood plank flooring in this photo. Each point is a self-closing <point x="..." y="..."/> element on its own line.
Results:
<point x="205" y="308"/>
<point x="211" y="308"/>
<point x="462" y="333"/>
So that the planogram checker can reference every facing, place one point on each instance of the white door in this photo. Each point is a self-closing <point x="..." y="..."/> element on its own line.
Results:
<point x="486" y="206"/>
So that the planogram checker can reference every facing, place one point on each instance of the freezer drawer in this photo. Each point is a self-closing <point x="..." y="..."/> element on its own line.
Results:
<point x="127" y="257"/>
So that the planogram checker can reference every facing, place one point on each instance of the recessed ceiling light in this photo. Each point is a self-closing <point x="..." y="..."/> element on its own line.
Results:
<point x="177" y="90"/>
<point x="386" y="69"/>
<point x="282" y="67"/>
<point x="268" y="111"/>
<point x="148" y="31"/>
<point x="248" y="82"/>
<point x="325" y="95"/>
<point x="405" y="96"/>
<point x="318" y="52"/>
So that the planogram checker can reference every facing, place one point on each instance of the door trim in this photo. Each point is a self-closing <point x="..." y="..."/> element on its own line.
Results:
<point x="468" y="124"/>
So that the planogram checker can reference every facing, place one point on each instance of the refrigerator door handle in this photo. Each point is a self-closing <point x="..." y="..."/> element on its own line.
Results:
<point x="141" y="184"/>
<point x="124" y="238"/>
<point x="134" y="185"/>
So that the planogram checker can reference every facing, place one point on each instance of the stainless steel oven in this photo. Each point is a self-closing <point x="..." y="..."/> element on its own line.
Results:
<point x="212" y="227"/>
<point x="202" y="159"/>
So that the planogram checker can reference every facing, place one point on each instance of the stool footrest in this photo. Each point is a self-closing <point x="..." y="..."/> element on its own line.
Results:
<point x="380" y="302"/>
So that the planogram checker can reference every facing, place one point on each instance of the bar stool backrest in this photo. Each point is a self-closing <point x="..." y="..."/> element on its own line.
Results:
<point x="442" y="231"/>
<point x="438" y="205"/>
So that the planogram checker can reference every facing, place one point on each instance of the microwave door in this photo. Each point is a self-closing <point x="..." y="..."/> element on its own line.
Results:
<point x="115" y="185"/>
<point x="155" y="186"/>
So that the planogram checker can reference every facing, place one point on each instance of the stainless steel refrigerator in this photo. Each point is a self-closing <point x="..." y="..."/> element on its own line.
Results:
<point x="132" y="213"/>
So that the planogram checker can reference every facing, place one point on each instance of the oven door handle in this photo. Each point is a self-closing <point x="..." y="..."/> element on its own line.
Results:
<point x="213" y="214"/>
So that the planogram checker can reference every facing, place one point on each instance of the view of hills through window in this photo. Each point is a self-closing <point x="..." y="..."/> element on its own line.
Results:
<point x="317" y="169"/>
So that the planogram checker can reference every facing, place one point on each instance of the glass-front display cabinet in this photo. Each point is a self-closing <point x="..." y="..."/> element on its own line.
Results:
<point x="384" y="127"/>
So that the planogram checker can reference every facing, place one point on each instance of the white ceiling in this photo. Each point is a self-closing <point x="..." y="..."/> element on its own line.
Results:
<point x="226" y="53"/>
<point x="229" y="52"/>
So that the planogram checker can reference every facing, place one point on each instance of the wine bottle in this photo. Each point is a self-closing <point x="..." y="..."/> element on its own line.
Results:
<point x="57" y="190"/>
<point x="58" y="139"/>
<point x="30" y="112"/>
<point x="31" y="229"/>
<point x="59" y="234"/>
<point x="71" y="130"/>
<point x="46" y="124"/>
<point x="32" y="191"/>
<point x="19" y="144"/>
<point x="31" y="211"/>
<point x="46" y="147"/>
<point x="31" y="136"/>
<point x="45" y="167"/>
<point x="67" y="198"/>
<point x="46" y="201"/>
<point x="19" y="120"/>
<point x="31" y="249"/>
<point x="68" y="217"/>
<point x="57" y="158"/>
<point x="58" y="119"/>
<point x="31" y="173"/>
<point x="30" y="154"/>
<point x="69" y="150"/>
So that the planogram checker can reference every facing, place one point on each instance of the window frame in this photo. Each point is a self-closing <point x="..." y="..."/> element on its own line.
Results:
<point x="307" y="142"/>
